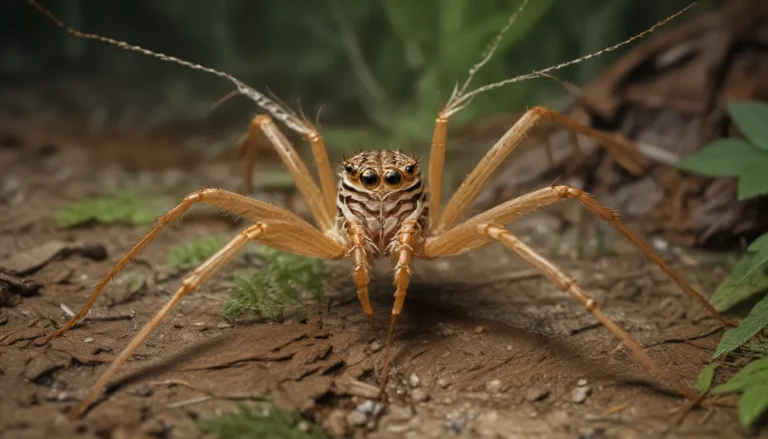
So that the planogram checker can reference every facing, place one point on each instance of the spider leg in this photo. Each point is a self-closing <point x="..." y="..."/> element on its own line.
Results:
<point x="402" y="254"/>
<point x="436" y="168"/>
<point x="356" y="233"/>
<point x="462" y="239"/>
<point x="567" y="284"/>
<point x="321" y="203"/>
<point x="618" y="146"/>
<point x="267" y="232"/>
<point x="308" y="240"/>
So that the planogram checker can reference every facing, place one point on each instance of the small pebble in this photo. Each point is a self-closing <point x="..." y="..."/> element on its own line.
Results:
<point x="223" y="325"/>
<point x="493" y="386"/>
<point x="479" y="330"/>
<point x="397" y="428"/>
<point x="88" y="340"/>
<point x="374" y="347"/>
<point x="579" y="394"/>
<point x="659" y="244"/>
<point x="414" y="380"/>
<point x="144" y="391"/>
<point x="582" y="382"/>
<point x="419" y="395"/>
<point x="303" y="426"/>
<point x="400" y="412"/>
<point x="442" y="382"/>
<point x="356" y="419"/>
<point x="366" y="408"/>
<point x="536" y="393"/>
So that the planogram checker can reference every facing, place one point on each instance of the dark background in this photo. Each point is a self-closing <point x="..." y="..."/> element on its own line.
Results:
<point x="378" y="70"/>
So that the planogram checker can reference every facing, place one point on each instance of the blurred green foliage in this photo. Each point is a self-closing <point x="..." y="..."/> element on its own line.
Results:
<point x="195" y="252"/>
<point x="124" y="206"/>
<point x="247" y="423"/>
<point x="384" y="66"/>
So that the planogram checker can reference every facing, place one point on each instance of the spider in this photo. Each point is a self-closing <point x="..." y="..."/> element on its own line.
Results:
<point x="381" y="206"/>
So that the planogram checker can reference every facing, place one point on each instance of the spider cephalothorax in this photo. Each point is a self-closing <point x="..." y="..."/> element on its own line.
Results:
<point x="381" y="207"/>
<point x="381" y="189"/>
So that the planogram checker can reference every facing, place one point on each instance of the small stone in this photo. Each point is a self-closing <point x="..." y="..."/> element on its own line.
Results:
<point x="223" y="325"/>
<point x="303" y="426"/>
<point x="582" y="382"/>
<point x="336" y="423"/>
<point x="493" y="386"/>
<point x="397" y="428"/>
<point x="419" y="395"/>
<point x="400" y="412"/>
<point x="414" y="380"/>
<point x="579" y="394"/>
<point x="442" y="382"/>
<point x="478" y="330"/>
<point x="536" y="393"/>
<point x="661" y="245"/>
<point x="356" y="419"/>
<point x="367" y="407"/>
<point x="88" y="340"/>
<point x="144" y="391"/>
<point x="374" y="347"/>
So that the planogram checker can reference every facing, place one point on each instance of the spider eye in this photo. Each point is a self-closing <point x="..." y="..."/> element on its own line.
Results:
<point x="369" y="178"/>
<point x="349" y="168"/>
<point x="410" y="168"/>
<point x="393" y="177"/>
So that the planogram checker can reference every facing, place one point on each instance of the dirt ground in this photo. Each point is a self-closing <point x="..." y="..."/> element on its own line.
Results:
<point x="485" y="347"/>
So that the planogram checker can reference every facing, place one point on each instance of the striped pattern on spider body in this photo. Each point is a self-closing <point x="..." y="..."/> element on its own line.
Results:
<point x="381" y="189"/>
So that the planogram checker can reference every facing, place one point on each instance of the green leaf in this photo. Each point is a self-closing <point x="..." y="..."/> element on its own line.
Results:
<point x="759" y="244"/>
<point x="753" y="373"/>
<point x="753" y="179"/>
<point x="753" y="403"/>
<point x="721" y="158"/>
<point x="758" y="262"/>
<point x="739" y="285"/>
<point x="751" y="325"/>
<point x="704" y="381"/>
<point x="751" y="119"/>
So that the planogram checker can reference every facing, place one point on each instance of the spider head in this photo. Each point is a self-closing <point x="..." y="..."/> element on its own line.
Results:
<point x="380" y="171"/>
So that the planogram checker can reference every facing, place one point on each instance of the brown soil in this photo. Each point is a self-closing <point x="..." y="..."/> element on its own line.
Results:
<point x="485" y="347"/>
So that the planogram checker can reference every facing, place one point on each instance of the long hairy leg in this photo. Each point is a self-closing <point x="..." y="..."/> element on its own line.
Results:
<point x="567" y="284"/>
<point x="619" y="147"/>
<point x="402" y="254"/>
<point x="462" y="239"/>
<point x="318" y="202"/>
<point x="246" y="207"/>
<point x="266" y="232"/>
<point x="360" y="269"/>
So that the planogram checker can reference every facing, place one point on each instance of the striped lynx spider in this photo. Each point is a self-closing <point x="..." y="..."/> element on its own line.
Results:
<point x="381" y="206"/>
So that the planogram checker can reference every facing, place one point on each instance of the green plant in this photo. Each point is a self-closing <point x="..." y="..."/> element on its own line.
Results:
<point x="278" y="287"/>
<point x="124" y="206"/>
<point x="273" y="422"/>
<point x="195" y="252"/>
<point x="747" y="160"/>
